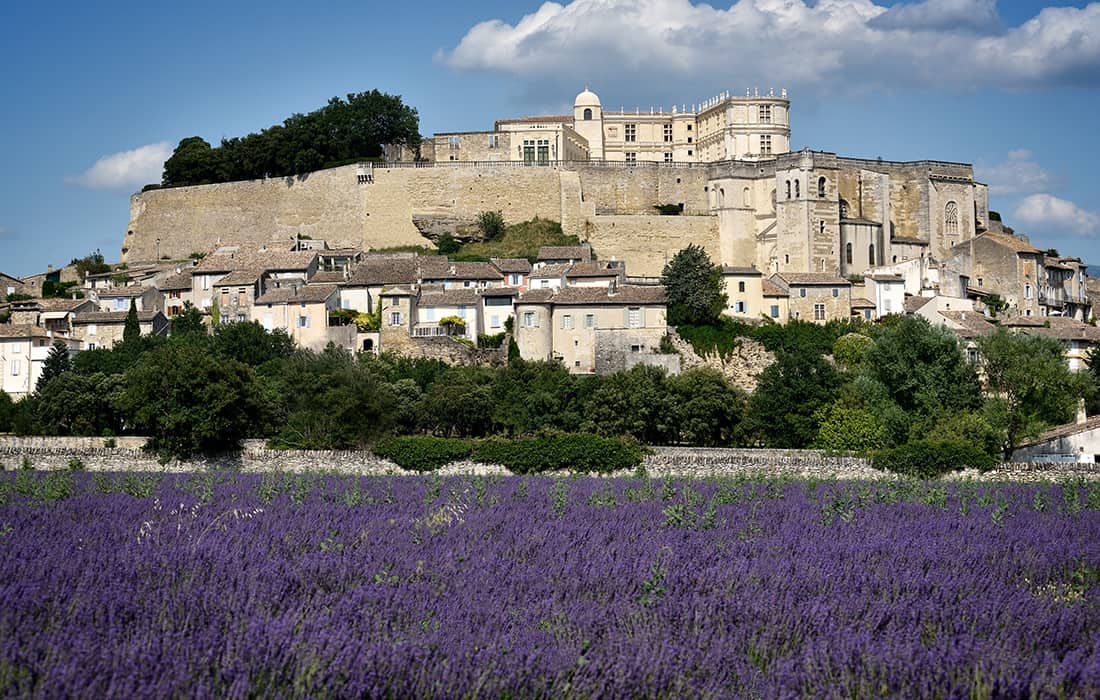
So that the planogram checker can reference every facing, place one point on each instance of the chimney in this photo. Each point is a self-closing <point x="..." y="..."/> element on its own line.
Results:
<point x="1082" y="413"/>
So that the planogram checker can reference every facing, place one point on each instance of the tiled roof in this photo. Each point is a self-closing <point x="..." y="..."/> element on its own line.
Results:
<point x="378" y="271"/>
<point x="499" y="292"/>
<point x="397" y="292"/>
<point x="180" y="281"/>
<point x="459" y="271"/>
<point x="565" y="252"/>
<point x="449" y="297"/>
<point x="749" y="271"/>
<point x="595" y="268"/>
<point x="50" y="304"/>
<point x="307" y="294"/>
<point x="557" y="118"/>
<point x="1059" y="327"/>
<point x="771" y="289"/>
<point x="536" y="296"/>
<point x="238" y="278"/>
<point x="626" y="294"/>
<point x="813" y="279"/>
<point x="887" y="277"/>
<point x="122" y="292"/>
<point x="1066" y="430"/>
<point x="555" y="271"/>
<point x="915" y="303"/>
<point x="259" y="260"/>
<point x="112" y="317"/>
<point x="972" y="323"/>
<point x="861" y="303"/>
<point x="1012" y="242"/>
<point x="328" y="277"/>
<point x="21" y="330"/>
<point x="906" y="240"/>
<point x="521" y="265"/>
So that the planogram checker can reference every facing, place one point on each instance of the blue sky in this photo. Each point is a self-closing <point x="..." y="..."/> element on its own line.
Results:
<point x="95" y="94"/>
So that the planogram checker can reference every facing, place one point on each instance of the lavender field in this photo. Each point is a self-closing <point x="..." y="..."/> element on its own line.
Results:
<point x="284" y="585"/>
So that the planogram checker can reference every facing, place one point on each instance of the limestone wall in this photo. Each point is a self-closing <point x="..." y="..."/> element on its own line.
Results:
<point x="646" y="243"/>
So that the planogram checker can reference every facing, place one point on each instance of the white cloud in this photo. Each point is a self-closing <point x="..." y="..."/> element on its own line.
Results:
<point x="1048" y="211"/>
<point x="125" y="169"/>
<point x="831" y="46"/>
<point x="1019" y="174"/>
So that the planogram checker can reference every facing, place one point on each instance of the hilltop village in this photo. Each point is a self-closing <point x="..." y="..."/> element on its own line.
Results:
<point x="354" y="255"/>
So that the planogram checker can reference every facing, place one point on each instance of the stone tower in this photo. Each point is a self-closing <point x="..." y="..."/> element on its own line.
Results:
<point x="588" y="122"/>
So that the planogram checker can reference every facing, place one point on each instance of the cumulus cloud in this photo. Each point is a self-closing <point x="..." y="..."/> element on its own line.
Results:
<point x="1019" y="174"/>
<point x="125" y="169"/>
<point x="1058" y="214"/>
<point x="831" y="45"/>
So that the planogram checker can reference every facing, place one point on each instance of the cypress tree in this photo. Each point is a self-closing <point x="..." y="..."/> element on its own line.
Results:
<point x="132" y="330"/>
<point x="57" y="363"/>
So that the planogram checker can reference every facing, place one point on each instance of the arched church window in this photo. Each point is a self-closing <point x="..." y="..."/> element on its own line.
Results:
<point x="821" y="187"/>
<point x="797" y="194"/>
<point x="843" y="209"/>
<point x="951" y="219"/>
<point x="746" y="197"/>
<point x="588" y="114"/>
<point x="721" y="196"/>
<point x="871" y="254"/>
<point x="848" y="253"/>
<point x="788" y="189"/>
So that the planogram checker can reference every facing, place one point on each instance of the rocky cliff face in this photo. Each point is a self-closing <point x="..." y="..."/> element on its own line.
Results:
<point x="742" y="368"/>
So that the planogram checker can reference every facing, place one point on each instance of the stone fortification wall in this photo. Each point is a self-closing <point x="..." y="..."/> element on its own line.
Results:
<point x="623" y="189"/>
<point x="646" y="243"/>
<point x="686" y="462"/>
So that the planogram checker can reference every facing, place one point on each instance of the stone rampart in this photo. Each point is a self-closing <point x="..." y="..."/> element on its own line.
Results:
<point x="646" y="243"/>
<point x="52" y="453"/>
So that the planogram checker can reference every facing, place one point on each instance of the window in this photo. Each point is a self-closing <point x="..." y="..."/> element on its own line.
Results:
<point x="454" y="141"/>
<point x="797" y="194"/>
<point x="395" y="318"/>
<point x="630" y="133"/>
<point x="836" y="292"/>
<point x="871" y="254"/>
<point x="981" y="282"/>
<point x="631" y="157"/>
<point x="775" y="310"/>
<point x="819" y="312"/>
<point x="91" y="346"/>
<point x="741" y="286"/>
<point x="802" y="292"/>
<point x="867" y="314"/>
<point x="765" y="144"/>
<point x="590" y="320"/>
<point x="739" y="307"/>
<point x="567" y="321"/>
<point x="543" y="284"/>
<point x="689" y="139"/>
<point x="121" y="305"/>
<point x="821" y="227"/>
<point x="429" y="314"/>
<point x="588" y="114"/>
<point x="15" y="368"/>
<point x="848" y="253"/>
<point x="1027" y="291"/>
<point x="668" y="157"/>
<point x="515" y="279"/>
<point x="303" y="321"/>
<point x="494" y="321"/>
<point x="786" y="259"/>
<point x="765" y="114"/>
<point x="634" y="317"/>
<point x="205" y="282"/>
<point x="689" y="127"/>
<point x="951" y="219"/>
<point x="821" y="187"/>
<point x="788" y="189"/>
<point x="530" y="320"/>
<point x="668" y="133"/>
<point x="746" y="197"/>
<point x="493" y="140"/>
<point x="691" y="152"/>
<point x="635" y="348"/>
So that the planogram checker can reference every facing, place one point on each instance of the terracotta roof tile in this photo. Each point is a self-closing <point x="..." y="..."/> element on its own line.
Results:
<point x="813" y="279"/>
<point x="521" y="265"/>
<point x="565" y="252"/>
<point x="1012" y="242"/>
<point x="1066" y="430"/>
<point x="307" y="294"/>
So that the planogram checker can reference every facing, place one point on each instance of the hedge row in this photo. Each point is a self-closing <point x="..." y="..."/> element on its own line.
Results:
<point x="931" y="460"/>
<point x="581" y="452"/>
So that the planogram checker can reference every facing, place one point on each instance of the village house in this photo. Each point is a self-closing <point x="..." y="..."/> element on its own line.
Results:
<point x="176" y="290"/>
<point x="549" y="276"/>
<point x="997" y="263"/>
<point x="377" y="272"/>
<point x="104" y="329"/>
<point x="596" y="273"/>
<point x="744" y="292"/>
<point x="1076" y="442"/>
<point x="120" y="298"/>
<point x="497" y="306"/>
<point x="24" y="348"/>
<point x="436" y="304"/>
<point x="9" y="286"/>
<point x="563" y="254"/>
<point x="817" y="297"/>
<point x="451" y="275"/>
<point x="52" y="315"/>
<point x="516" y="271"/>
<point x="777" y="301"/>
<point x="593" y="329"/>
<point x="305" y="313"/>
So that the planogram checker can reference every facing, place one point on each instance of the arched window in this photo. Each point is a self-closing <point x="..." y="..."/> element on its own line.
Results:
<point x="746" y="197"/>
<point x="821" y="227"/>
<point x="721" y="196"/>
<point x="588" y="114"/>
<point x="843" y="209"/>
<point x="951" y="219"/>
<point x="797" y="194"/>
<point x="821" y="187"/>
<point x="871" y="254"/>
<point x="788" y="189"/>
<point x="848" y="253"/>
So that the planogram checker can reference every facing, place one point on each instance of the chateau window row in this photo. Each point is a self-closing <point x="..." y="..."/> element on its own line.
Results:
<point x="822" y="186"/>
<point x="870" y="255"/>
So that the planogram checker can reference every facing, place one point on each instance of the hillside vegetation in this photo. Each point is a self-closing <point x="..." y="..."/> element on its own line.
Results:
<point x="521" y="240"/>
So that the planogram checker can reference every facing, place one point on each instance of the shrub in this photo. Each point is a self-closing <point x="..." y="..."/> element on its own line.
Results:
<point x="76" y="465"/>
<point x="669" y="209"/>
<point x="582" y="452"/>
<point x="491" y="224"/>
<point x="490" y="341"/>
<point x="423" y="453"/>
<point x="930" y="460"/>
<point x="447" y="244"/>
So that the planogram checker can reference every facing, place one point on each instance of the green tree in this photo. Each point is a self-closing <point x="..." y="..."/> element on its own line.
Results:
<point x="1093" y="378"/>
<point x="707" y="409"/>
<point x="491" y="224"/>
<point x="459" y="403"/>
<point x="189" y="401"/>
<point x="636" y="403"/>
<point x="132" y="330"/>
<point x="844" y="428"/>
<point x="7" y="412"/>
<point x="783" y="411"/>
<point x="57" y="363"/>
<point x="694" y="288"/>
<point x="1030" y="386"/>
<point x="80" y="404"/>
<point x="533" y="396"/>
<point x="447" y="244"/>
<point x="248" y="342"/>
<point x="188" y="321"/>
<point x="851" y="350"/>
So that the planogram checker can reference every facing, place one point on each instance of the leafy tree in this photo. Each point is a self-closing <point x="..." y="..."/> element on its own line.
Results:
<point x="783" y="411"/>
<point x="248" y="342"/>
<point x="996" y="304"/>
<point x="91" y="264"/>
<point x="1030" y="385"/>
<point x="636" y="403"/>
<point x="80" y="404"/>
<point x="132" y="330"/>
<point x="694" y="288"/>
<point x="447" y="244"/>
<point x="7" y="412"/>
<point x="459" y="403"/>
<point x="707" y="409"/>
<point x="849" y="429"/>
<point x="188" y="321"/>
<point x="189" y="401"/>
<point x="851" y="350"/>
<point x="491" y="224"/>
<point x="57" y="363"/>
<point x="533" y="396"/>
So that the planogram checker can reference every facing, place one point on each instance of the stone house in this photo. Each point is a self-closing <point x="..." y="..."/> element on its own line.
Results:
<point x="53" y="315"/>
<point x="104" y="329"/>
<point x="1063" y="292"/>
<point x="549" y="276"/>
<point x="1077" y="338"/>
<point x="305" y="313"/>
<point x="377" y="272"/>
<point x="817" y="297"/>
<point x="273" y="268"/>
<point x="1002" y="264"/>
<point x="863" y="308"/>
<point x="497" y="306"/>
<point x="563" y="255"/>
<point x="1077" y="442"/>
<point x="452" y="275"/>
<point x="777" y="301"/>
<point x="24" y="348"/>
<point x="235" y="293"/>
<point x="592" y="329"/>
<point x="744" y="292"/>
<point x="120" y="298"/>
<point x="887" y="293"/>
<point x="9" y="285"/>
<point x="176" y="290"/>
<point x="435" y="303"/>
<point x="596" y="273"/>
<point x="515" y="271"/>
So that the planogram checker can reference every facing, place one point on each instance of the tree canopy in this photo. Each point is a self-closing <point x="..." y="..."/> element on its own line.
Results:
<point x="694" y="287"/>
<point x="342" y="131"/>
